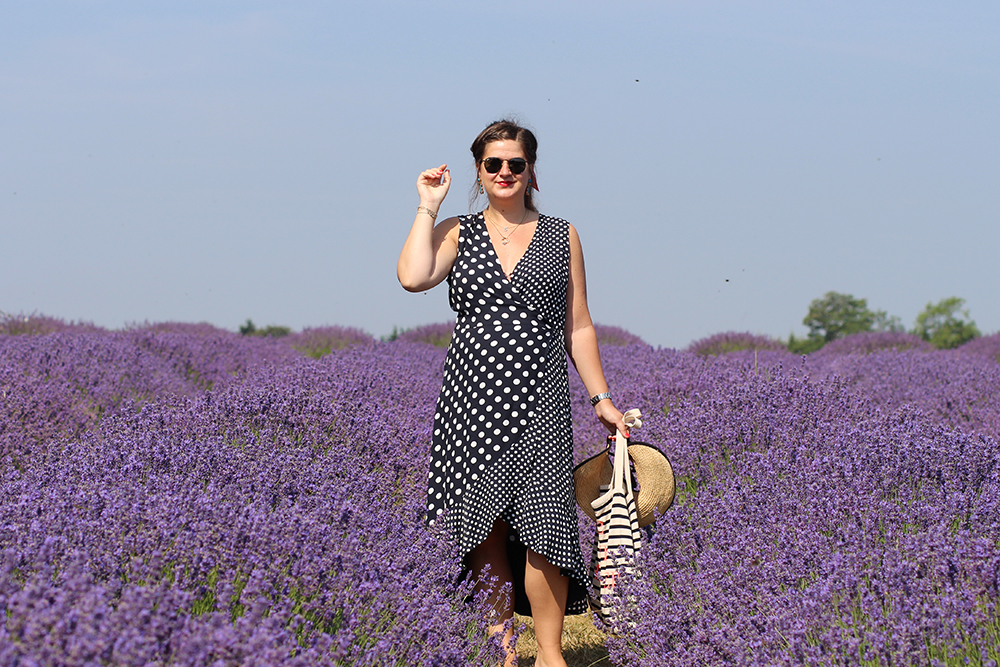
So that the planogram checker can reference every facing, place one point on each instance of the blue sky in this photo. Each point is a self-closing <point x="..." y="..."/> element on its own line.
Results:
<point x="725" y="162"/>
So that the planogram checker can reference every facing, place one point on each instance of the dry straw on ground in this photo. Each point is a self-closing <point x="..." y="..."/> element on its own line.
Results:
<point x="583" y="644"/>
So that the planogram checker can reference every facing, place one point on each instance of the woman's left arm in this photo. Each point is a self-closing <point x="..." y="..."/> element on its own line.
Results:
<point x="581" y="339"/>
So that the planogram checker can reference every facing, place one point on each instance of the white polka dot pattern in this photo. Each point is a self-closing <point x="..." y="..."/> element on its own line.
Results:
<point x="502" y="431"/>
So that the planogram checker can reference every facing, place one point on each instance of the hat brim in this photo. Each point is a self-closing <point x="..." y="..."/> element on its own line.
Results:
<point x="654" y="477"/>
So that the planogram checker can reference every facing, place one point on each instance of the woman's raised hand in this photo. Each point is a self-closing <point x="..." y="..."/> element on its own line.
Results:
<point x="432" y="186"/>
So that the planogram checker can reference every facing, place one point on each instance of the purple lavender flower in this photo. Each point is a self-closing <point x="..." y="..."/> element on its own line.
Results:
<point x="188" y="496"/>
<point x="608" y="336"/>
<point x="871" y="341"/>
<point x="438" y="335"/>
<point x="987" y="346"/>
<point x="195" y="329"/>
<point x="319" y="341"/>
<point x="36" y="325"/>
<point x="731" y="341"/>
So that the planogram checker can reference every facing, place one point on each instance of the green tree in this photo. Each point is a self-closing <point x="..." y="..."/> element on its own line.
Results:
<point x="836" y="315"/>
<point x="946" y="324"/>
<point x="804" y="345"/>
<point x="885" y="322"/>
<point x="271" y="330"/>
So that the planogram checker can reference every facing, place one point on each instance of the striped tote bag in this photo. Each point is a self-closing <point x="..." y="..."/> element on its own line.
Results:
<point x="618" y="536"/>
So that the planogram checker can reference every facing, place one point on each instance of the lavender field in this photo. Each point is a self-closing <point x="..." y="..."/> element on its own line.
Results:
<point x="181" y="495"/>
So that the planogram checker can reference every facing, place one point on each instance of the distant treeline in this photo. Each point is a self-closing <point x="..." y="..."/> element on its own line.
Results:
<point x="945" y="324"/>
<point x="834" y="316"/>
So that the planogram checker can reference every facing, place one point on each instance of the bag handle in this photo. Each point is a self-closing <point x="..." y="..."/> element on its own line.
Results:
<point x="621" y="479"/>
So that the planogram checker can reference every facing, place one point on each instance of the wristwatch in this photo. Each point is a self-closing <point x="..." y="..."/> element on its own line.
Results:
<point x="594" y="400"/>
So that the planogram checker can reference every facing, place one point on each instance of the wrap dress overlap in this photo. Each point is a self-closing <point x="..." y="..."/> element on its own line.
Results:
<point x="502" y="442"/>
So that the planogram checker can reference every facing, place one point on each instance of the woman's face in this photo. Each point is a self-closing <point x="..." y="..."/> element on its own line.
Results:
<point x="504" y="185"/>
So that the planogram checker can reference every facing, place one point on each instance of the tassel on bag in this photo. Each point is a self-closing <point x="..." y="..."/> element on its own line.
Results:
<point x="618" y="536"/>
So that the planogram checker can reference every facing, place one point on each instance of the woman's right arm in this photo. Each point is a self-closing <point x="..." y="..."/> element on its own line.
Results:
<point x="429" y="251"/>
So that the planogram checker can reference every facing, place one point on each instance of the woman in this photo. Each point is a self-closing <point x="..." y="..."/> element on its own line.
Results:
<point x="502" y="450"/>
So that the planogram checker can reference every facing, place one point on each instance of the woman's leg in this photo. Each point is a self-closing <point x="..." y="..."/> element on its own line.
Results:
<point x="547" y="589"/>
<point x="493" y="552"/>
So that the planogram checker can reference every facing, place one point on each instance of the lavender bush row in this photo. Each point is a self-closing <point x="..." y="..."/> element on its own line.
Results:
<point x="956" y="390"/>
<point x="893" y="369"/>
<point x="608" y="336"/>
<point x="198" y="497"/>
<point x="732" y="341"/>
<point x="986" y="346"/>
<point x="63" y="383"/>
<point x="440" y="335"/>
<point x="867" y="342"/>
<point x="36" y="324"/>
<point x="317" y="342"/>
<point x="190" y="328"/>
<point x="816" y="525"/>
<point x="274" y="521"/>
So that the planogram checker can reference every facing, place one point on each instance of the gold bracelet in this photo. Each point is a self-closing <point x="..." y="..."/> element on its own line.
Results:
<point x="424" y="209"/>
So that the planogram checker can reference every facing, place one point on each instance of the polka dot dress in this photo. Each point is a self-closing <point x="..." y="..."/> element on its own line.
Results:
<point x="503" y="435"/>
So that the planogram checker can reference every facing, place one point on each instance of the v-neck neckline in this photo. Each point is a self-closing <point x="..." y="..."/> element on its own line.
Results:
<point x="496" y="255"/>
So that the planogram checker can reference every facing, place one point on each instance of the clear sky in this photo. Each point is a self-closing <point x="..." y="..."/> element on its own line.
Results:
<point x="724" y="162"/>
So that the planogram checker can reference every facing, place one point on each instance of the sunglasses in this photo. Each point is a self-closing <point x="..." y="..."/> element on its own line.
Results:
<point x="516" y="165"/>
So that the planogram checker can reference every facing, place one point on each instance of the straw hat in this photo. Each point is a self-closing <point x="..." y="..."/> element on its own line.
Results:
<point x="654" y="488"/>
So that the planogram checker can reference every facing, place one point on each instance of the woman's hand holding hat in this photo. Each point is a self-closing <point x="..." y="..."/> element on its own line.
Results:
<point x="611" y="417"/>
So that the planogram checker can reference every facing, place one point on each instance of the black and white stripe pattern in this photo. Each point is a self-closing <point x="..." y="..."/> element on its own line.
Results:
<point x="618" y="536"/>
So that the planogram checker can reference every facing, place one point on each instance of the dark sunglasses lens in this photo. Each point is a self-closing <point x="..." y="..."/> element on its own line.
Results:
<point x="494" y="164"/>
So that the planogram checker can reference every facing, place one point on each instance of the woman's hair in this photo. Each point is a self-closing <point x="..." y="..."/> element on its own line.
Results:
<point x="506" y="130"/>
